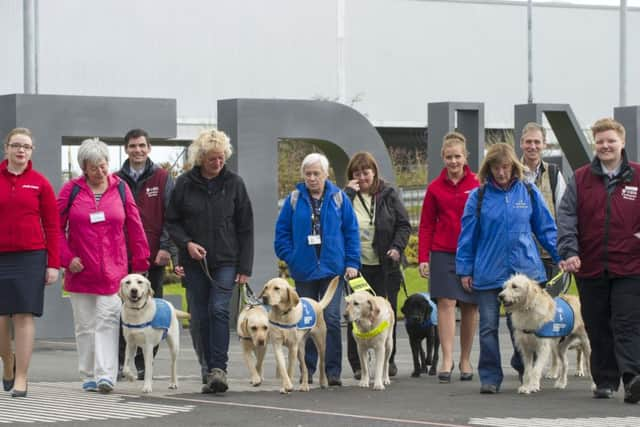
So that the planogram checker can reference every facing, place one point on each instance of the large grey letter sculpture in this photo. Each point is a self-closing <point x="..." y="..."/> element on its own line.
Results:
<point x="256" y="125"/>
<point x="442" y="119"/>
<point x="52" y="118"/>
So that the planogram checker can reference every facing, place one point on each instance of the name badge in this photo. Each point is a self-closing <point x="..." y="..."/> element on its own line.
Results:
<point x="96" y="217"/>
<point x="314" y="239"/>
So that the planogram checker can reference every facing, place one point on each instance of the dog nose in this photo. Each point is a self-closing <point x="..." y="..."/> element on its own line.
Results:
<point x="260" y="342"/>
<point x="346" y="316"/>
<point x="265" y="300"/>
<point x="500" y="297"/>
<point x="134" y="292"/>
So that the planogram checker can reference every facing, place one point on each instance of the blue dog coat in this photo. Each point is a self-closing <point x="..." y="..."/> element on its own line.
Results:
<point x="161" y="320"/>
<point x="307" y="320"/>
<point x="433" y="320"/>
<point x="562" y="323"/>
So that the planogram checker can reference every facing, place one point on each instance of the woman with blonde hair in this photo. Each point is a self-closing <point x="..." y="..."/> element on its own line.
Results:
<point x="496" y="240"/>
<point x="29" y="254"/>
<point x="437" y="241"/>
<point x="210" y="219"/>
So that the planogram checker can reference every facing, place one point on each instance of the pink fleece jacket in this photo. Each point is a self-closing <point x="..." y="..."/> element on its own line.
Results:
<point x="105" y="244"/>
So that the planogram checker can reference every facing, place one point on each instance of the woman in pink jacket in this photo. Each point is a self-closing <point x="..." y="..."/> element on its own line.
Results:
<point x="102" y="241"/>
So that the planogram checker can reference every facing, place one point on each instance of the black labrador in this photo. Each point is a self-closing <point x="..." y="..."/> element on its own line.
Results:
<point x="420" y="319"/>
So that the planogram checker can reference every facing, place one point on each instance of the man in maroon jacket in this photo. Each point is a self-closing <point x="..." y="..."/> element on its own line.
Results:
<point x="151" y="186"/>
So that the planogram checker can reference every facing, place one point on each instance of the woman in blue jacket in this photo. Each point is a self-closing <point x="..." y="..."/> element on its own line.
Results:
<point x="317" y="236"/>
<point x="499" y="221"/>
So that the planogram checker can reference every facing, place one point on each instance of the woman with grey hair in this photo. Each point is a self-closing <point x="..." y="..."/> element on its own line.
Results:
<point x="210" y="219"/>
<point x="317" y="236"/>
<point x="100" y="226"/>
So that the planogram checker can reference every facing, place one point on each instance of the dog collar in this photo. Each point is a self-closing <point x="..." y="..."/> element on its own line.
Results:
<point x="142" y="306"/>
<point x="283" y="325"/>
<point x="372" y="333"/>
<point x="243" y="337"/>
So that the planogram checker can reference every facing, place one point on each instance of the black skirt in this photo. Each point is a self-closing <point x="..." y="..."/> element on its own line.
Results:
<point x="443" y="282"/>
<point x="22" y="282"/>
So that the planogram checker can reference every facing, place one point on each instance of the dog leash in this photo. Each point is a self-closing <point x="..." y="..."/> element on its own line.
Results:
<point x="248" y="296"/>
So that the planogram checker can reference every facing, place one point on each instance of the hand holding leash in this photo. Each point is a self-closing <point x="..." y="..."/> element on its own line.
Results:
<point x="196" y="251"/>
<point x="423" y="268"/>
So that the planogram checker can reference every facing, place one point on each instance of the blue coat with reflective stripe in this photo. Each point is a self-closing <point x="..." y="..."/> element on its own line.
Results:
<point x="500" y="242"/>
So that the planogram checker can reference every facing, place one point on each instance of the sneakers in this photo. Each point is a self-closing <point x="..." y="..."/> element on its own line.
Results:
<point x="216" y="382"/>
<point x="105" y="385"/>
<point x="632" y="390"/>
<point x="603" y="393"/>
<point x="393" y="369"/>
<point x="488" y="389"/>
<point x="90" y="385"/>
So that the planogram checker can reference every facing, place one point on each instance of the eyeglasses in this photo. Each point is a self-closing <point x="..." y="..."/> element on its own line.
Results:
<point x="17" y="146"/>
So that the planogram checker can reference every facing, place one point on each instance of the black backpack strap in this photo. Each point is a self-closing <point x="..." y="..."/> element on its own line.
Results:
<point x="123" y="195"/>
<point x="74" y="192"/>
<point x="480" y="197"/>
<point x="553" y="180"/>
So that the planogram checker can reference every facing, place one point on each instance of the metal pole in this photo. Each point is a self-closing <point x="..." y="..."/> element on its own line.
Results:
<point x="29" y="43"/>
<point x="530" y="51"/>
<point x="623" y="53"/>
<point x="342" y="84"/>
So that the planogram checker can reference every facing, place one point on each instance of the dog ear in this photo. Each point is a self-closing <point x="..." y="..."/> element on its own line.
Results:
<point x="374" y="310"/>
<point x="244" y="327"/>
<point x="121" y="293"/>
<point x="292" y="296"/>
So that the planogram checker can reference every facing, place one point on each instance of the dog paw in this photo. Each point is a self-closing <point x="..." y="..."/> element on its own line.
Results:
<point x="551" y="376"/>
<point x="524" y="390"/>
<point x="173" y="386"/>
<point x="560" y="384"/>
<point x="415" y="374"/>
<point x="256" y="381"/>
<point x="364" y="383"/>
<point x="304" y="387"/>
<point x="579" y="373"/>
<point x="146" y="389"/>
<point x="378" y="386"/>
<point x="128" y="375"/>
<point x="283" y="390"/>
<point x="387" y="381"/>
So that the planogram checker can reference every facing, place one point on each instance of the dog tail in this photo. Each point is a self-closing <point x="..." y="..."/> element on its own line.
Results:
<point x="182" y="314"/>
<point x="331" y="290"/>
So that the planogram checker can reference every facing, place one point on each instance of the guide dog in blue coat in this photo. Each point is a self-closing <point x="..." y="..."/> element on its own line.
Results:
<point x="420" y="320"/>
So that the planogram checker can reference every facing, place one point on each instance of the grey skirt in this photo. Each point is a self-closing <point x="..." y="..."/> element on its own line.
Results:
<point x="443" y="282"/>
<point x="22" y="282"/>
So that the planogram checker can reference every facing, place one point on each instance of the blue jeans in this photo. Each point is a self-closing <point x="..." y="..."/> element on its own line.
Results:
<point x="210" y="310"/>
<point x="490" y="363"/>
<point x="315" y="290"/>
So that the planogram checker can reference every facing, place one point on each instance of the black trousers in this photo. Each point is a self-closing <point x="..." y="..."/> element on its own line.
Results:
<point x="156" y="277"/>
<point x="384" y="285"/>
<point x="611" y="312"/>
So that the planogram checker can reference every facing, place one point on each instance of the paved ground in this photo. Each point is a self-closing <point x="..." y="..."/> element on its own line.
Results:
<point x="55" y="397"/>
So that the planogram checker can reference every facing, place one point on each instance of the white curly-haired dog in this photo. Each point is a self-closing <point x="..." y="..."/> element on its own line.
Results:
<point x="531" y="308"/>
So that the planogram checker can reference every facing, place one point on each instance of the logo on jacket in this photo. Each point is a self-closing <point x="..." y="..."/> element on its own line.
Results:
<point x="153" y="191"/>
<point x="629" y="193"/>
<point x="33" y="187"/>
<point x="521" y="204"/>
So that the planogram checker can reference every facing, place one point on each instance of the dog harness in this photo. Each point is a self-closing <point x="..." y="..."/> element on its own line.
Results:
<point x="161" y="320"/>
<point x="372" y="333"/>
<point x="307" y="320"/>
<point x="433" y="319"/>
<point x="560" y="326"/>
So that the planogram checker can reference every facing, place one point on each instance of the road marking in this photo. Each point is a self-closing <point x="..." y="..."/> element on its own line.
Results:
<point x="49" y="403"/>
<point x="557" y="422"/>
<point x="314" y="412"/>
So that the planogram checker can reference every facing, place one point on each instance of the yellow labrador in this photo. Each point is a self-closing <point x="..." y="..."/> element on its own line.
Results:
<point x="373" y="320"/>
<point x="253" y="331"/>
<point x="533" y="313"/>
<point x="145" y="322"/>
<point x="287" y="328"/>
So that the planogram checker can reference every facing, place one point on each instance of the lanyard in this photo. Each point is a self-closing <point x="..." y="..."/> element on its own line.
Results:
<point x="316" y="207"/>
<point x="370" y="210"/>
